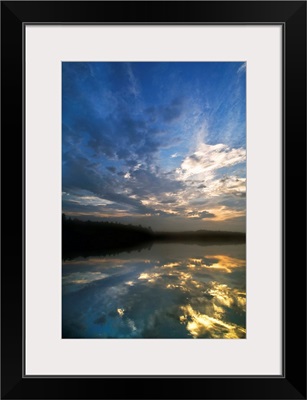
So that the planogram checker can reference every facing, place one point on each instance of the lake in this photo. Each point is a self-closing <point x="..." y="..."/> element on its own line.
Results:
<point x="166" y="291"/>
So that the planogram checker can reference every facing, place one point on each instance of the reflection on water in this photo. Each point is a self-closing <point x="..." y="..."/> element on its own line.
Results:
<point x="169" y="291"/>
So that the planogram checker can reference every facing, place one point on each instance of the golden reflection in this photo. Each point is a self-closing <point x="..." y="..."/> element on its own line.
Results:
<point x="205" y="317"/>
<point x="144" y="276"/>
<point x="241" y="300"/>
<point x="218" y="311"/>
<point x="196" y="284"/>
<point x="121" y="312"/>
<point x="225" y="263"/>
<point x="184" y="276"/>
<point x="149" y="277"/>
<point x="181" y="287"/>
<point x="171" y="265"/>
<point x="221" y="293"/>
<point x="195" y="260"/>
<point x="225" y="296"/>
<point x="80" y="281"/>
<point x="183" y="279"/>
<point x="203" y="325"/>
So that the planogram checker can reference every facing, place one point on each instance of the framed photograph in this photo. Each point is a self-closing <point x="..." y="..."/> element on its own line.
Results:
<point x="154" y="200"/>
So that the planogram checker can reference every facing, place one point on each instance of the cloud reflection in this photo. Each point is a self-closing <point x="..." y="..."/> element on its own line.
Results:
<point x="202" y="325"/>
<point x="179" y="291"/>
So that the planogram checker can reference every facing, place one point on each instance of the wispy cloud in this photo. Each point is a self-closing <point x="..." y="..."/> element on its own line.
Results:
<point x="210" y="158"/>
<point x="242" y="68"/>
<point x="134" y="86"/>
<point x="174" y="155"/>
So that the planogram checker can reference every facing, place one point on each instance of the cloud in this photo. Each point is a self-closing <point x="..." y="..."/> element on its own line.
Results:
<point x="91" y="191"/>
<point x="200" y="215"/>
<point x="204" y="165"/>
<point x="242" y="68"/>
<point x="168" y="201"/>
<point x="202" y="325"/>
<point x="240" y="194"/>
<point x="205" y="214"/>
<point x="210" y="158"/>
<point x="80" y="174"/>
<point x="134" y="86"/>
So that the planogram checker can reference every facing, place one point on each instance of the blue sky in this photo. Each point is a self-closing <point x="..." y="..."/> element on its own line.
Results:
<point x="158" y="144"/>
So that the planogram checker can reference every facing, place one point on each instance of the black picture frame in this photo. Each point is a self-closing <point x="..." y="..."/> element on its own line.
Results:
<point x="292" y="16"/>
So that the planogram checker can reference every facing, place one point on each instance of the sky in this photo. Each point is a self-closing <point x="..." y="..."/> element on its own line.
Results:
<point x="155" y="144"/>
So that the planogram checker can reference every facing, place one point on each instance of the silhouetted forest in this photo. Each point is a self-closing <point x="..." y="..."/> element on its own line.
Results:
<point x="105" y="238"/>
<point x="89" y="237"/>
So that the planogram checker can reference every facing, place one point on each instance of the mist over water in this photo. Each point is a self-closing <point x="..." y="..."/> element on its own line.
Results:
<point x="171" y="290"/>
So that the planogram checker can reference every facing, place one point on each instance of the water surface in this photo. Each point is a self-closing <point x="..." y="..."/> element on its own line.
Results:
<point x="167" y="291"/>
